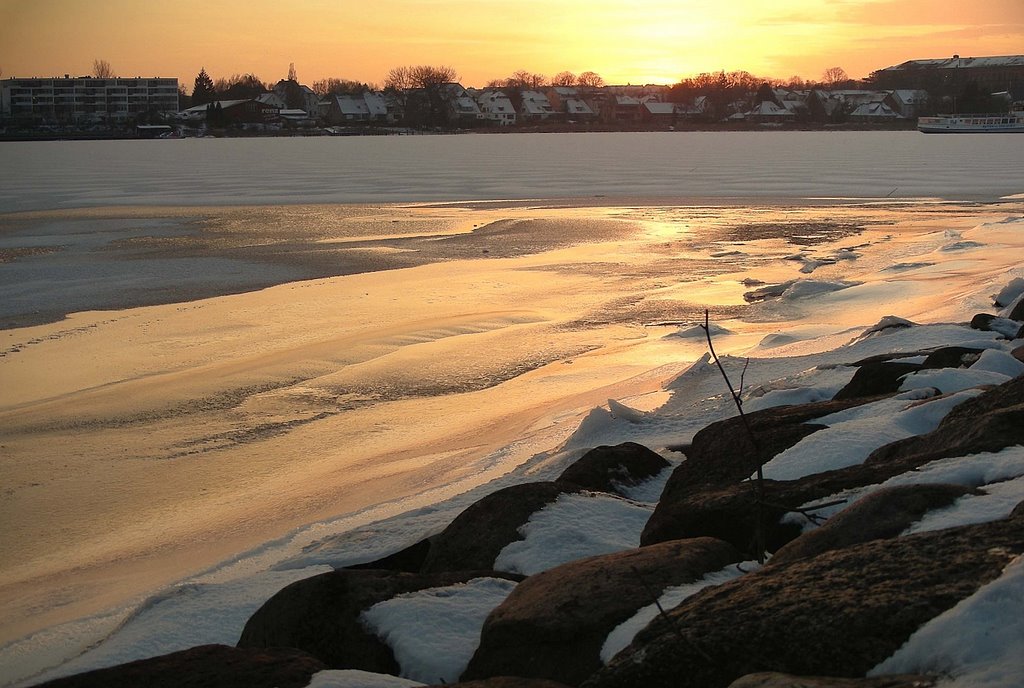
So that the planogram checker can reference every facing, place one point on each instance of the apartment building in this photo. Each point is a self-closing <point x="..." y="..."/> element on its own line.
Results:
<point x="85" y="99"/>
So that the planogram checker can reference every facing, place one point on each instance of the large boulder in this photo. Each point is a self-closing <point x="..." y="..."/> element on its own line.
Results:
<point x="951" y="357"/>
<point x="409" y="559"/>
<point x="873" y="379"/>
<point x="320" y="615"/>
<point x="475" y="538"/>
<point x="837" y="614"/>
<point x="205" y="666"/>
<point x="882" y="514"/>
<point x="722" y="453"/>
<point x="772" y="679"/>
<point x="990" y="421"/>
<point x="610" y="468"/>
<point x="554" y="623"/>
<point x="731" y="514"/>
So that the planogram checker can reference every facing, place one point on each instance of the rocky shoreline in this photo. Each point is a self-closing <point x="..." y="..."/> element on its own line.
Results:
<point x="835" y="599"/>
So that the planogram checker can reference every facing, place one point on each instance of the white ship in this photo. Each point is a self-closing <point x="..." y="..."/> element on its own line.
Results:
<point x="1006" y="123"/>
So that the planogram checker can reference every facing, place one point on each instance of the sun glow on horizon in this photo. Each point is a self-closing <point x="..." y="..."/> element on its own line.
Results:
<point x="650" y="41"/>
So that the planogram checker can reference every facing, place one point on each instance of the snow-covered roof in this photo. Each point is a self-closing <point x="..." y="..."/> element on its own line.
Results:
<point x="376" y="104"/>
<point x="224" y="105"/>
<point x="767" y="108"/>
<point x="876" y="109"/>
<point x="352" y="105"/>
<point x="960" y="63"/>
<point x="575" y="106"/>
<point x="536" y="103"/>
<point x="656" y="108"/>
<point x="271" y="98"/>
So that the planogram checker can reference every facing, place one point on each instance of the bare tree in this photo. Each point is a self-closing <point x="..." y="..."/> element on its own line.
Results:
<point x="333" y="86"/>
<point x="239" y="87"/>
<point x="524" y="80"/>
<point x="590" y="80"/>
<point x="796" y="83"/>
<point x="101" y="69"/>
<point x="563" y="79"/>
<point x="833" y="76"/>
<point x="425" y="76"/>
<point x="419" y="76"/>
<point x="291" y="73"/>
<point x="421" y="91"/>
<point x="399" y="79"/>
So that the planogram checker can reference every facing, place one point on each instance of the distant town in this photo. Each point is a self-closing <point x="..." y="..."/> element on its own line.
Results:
<point x="429" y="99"/>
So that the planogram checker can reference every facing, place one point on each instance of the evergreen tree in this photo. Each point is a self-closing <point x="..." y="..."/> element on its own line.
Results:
<point x="203" y="91"/>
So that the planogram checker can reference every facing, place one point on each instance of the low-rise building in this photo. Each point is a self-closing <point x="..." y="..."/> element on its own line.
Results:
<point x="535" y="107"/>
<point x="248" y="111"/>
<point x="496" y="108"/>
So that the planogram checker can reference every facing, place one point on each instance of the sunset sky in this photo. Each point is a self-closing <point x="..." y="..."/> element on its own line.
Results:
<point x="641" y="41"/>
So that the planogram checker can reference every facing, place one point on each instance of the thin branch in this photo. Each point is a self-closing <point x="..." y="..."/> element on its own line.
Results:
<point x="743" y="375"/>
<point x="759" y="483"/>
<point x="671" y="621"/>
<point x="806" y="512"/>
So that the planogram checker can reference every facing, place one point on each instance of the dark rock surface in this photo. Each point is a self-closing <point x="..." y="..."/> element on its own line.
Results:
<point x="982" y="321"/>
<point x="873" y="379"/>
<point x="554" y="623"/>
<point x="991" y="421"/>
<point x="607" y="468"/>
<point x="475" y="538"/>
<point x="722" y="454"/>
<point x="409" y="559"/>
<point x="838" y="614"/>
<point x="771" y="679"/>
<point x="730" y="514"/>
<point x="883" y="514"/>
<point x="1017" y="312"/>
<point x="320" y="615"/>
<point x="205" y="666"/>
<point x="951" y="357"/>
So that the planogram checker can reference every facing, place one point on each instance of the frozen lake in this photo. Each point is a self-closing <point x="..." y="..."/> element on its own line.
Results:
<point x="66" y="174"/>
<point x="403" y="356"/>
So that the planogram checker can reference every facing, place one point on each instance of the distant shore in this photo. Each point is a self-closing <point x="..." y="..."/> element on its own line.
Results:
<point x="555" y="128"/>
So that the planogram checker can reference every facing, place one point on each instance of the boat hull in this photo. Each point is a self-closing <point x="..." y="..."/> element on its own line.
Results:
<point x="972" y="124"/>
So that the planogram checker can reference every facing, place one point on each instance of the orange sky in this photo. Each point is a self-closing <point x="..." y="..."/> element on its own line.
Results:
<point x="639" y="41"/>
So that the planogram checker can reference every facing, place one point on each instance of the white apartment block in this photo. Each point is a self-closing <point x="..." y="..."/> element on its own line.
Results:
<point x="85" y="99"/>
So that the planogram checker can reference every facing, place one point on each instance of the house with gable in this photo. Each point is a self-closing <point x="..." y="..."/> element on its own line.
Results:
<point x="875" y="112"/>
<point x="298" y="97"/>
<point x="907" y="103"/>
<point x="656" y="112"/>
<point x="569" y="102"/>
<point x="535" y="107"/>
<point x="496" y="108"/>
<point x="247" y="111"/>
<point x="462" y="107"/>
<point x="768" y="112"/>
<point x="365" y="107"/>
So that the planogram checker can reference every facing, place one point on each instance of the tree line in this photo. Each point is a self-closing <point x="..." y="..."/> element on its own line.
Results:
<point x="421" y="87"/>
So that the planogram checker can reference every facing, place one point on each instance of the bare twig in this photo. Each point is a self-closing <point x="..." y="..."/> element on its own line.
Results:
<point x="806" y="512"/>
<point x="743" y="374"/>
<point x="671" y="622"/>
<point x="759" y="483"/>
